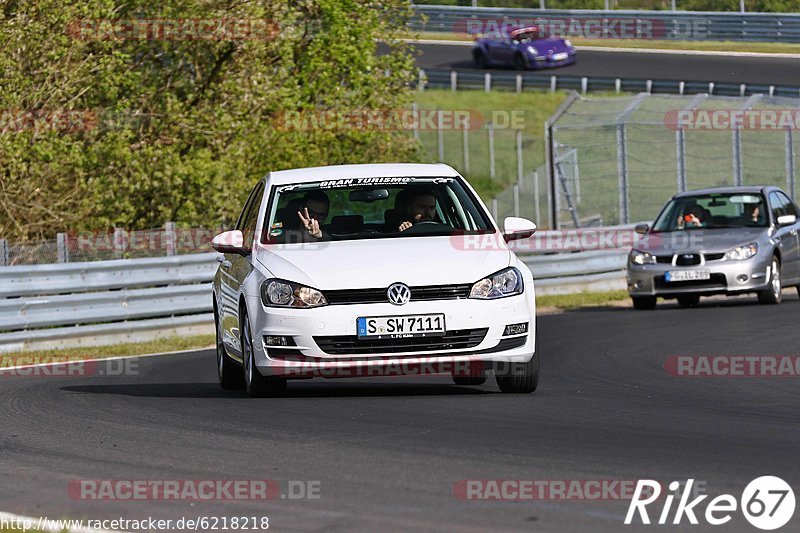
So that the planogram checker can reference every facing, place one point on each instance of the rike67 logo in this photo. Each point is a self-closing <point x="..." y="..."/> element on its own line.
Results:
<point x="767" y="503"/>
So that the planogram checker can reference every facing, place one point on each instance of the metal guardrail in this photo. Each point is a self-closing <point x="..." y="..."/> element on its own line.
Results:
<point x="478" y="80"/>
<point x="659" y="25"/>
<point x="104" y="302"/>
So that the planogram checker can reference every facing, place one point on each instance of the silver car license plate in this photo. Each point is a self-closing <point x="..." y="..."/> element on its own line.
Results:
<point x="687" y="275"/>
<point x="400" y="327"/>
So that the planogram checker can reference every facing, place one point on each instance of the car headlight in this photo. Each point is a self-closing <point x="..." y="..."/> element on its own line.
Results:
<point x="639" y="257"/>
<point x="740" y="253"/>
<point x="533" y="50"/>
<point x="507" y="282"/>
<point x="280" y="293"/>
<point x="567" y="43"/>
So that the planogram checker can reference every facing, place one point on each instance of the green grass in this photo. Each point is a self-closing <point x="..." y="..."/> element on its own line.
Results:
<point x="703" y="46"/>
<point x="169" y="344"/>
<point x="580" y="300"/>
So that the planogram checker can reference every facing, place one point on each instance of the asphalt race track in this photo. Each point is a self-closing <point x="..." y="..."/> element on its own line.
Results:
<point x="655" y="66"/>
<point x="387" y="452"/>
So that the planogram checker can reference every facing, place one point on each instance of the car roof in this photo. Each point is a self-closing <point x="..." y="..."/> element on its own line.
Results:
<point x="744" y="189"/>
<point x="373" y="170"/>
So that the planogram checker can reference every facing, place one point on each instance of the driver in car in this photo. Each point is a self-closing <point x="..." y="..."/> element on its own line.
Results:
<point x="421" y="208"/>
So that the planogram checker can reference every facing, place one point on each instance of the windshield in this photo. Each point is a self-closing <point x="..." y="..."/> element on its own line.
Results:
<point x="713" y="211"/>
<point x="365" y="208"/>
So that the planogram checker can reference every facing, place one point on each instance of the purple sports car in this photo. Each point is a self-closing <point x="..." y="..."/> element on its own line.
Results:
<point x="524" y="48"/>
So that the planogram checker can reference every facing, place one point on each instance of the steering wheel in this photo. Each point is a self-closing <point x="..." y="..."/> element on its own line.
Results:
<point x="425" y="226"/>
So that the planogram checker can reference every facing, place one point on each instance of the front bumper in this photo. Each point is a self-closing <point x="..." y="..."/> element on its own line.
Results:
<point x="727" y="277"/>
<point x="308" y="359"/>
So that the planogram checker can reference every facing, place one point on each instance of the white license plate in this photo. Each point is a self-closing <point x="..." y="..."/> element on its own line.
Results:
<point x="687" y="275"/>
<point x="560" y="57"/>
<point x="400" y="327"/>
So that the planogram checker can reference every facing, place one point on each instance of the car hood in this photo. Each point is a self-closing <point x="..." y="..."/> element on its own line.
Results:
<point x="544" y="46"/>
<point x="712" y="240"/>
<point x="380" y="262"/>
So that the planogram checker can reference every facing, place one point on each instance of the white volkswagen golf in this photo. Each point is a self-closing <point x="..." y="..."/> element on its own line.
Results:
<point x="349" y="270"/>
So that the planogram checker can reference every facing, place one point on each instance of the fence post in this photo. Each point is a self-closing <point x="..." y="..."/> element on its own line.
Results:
<point x="494" y="208"/>
<point x="453" y="80"/>
<point x="738" y="178"/>
<point x="516" y="199"/>
<point x="4" y="252"/>
<point x="119" y="244"/>
<point x="520" y="177"/>
<point x="465" y="139"/>
<point x="421" y="82"/>
<point x="536" y="197"/>
<point x="790" y="163"/>
<point x="553" y="83"/>
<point x="519" y="83"/>
<point x="63" y="249"/>
<point x="680" y="148"/>
<point x="440" y="135"/>
<point x="622" y="171"/>
<point x="491" y="150"/>
<point x="171" y="238"/>
<point x="415" y="119"/>
<point x="487" y="82"/>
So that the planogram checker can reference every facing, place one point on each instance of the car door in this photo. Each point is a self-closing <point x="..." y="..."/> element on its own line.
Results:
<point x="500" y="50"/>
<point x="785" y="237"/>
<point x="792" y="246"/>
<point x="234" y="269"/>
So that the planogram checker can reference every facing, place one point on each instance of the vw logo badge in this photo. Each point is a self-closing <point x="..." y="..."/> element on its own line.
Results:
<point x="398" y="293"/>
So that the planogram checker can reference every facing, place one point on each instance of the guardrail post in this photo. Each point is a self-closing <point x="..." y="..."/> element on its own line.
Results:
<point x="516" y="199"/>
<point x="681" y="88"/>
<point x="63" y="249"/>
<point x="453" y="80"/>
<point x="542" y="4"/>
<point x="618" y="85"/>
<point x="421" y="81"/>
<point x="519" y="83"/>
<point x="790" y="162"/>
<point x="711" y="87"/>
<point x="649" y="86"/>
<point x="680" y="148"/>
<point x="4" y="252"/>
<point x="487" y="82"/>
<point x="536" y="198"/>
<point x="772" y="90"/>
<point x="491" y="150"/>
<point x="742" y="90"/>
<point x="465" y="141"/>
<point x="584" y="84"/>
<point x="494" y="208"/>
<point x="553" y="83"/>
<point x="171" y="238"/>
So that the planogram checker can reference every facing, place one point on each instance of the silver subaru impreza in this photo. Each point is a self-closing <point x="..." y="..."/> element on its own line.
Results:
<point x="727" y="240"/>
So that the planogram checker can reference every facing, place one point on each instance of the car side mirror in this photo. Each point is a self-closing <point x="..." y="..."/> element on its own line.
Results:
<point x="515" y="228"/>
<point x="229" y="242"/>
<point x="787" y="220"/>
<point x="642" y="229"/>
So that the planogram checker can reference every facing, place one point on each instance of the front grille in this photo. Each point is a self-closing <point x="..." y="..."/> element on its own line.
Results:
<point x="452" y="340"/>
<point x="687" y="259"/>
<point x="717" y="280"/>
<point x="666" y="259"/>
<point x="714" y="257"/>
<point x="365" y="296"/>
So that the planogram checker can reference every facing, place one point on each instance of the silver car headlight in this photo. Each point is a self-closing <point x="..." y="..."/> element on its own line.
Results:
<point x="533" y="50"/>
<point x="638" y="257"/>
<point x="740" y="253"/>
<point x="507" y="282"/>
<point x="280" y="293"/>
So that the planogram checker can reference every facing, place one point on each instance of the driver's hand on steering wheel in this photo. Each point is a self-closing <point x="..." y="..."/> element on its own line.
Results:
<point x="404" y="226"/>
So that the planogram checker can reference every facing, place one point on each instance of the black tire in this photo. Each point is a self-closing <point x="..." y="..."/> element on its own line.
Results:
<point x="256" y="385"/>
<point x="520" y="63"/>
<point x="644" y="303"/>
<point x="229" y="373"/>
<point x="519" y="378"/>
<point x="773" y="295"/>
<point x="480" y="59"/>
<point x="689" y="300"/>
